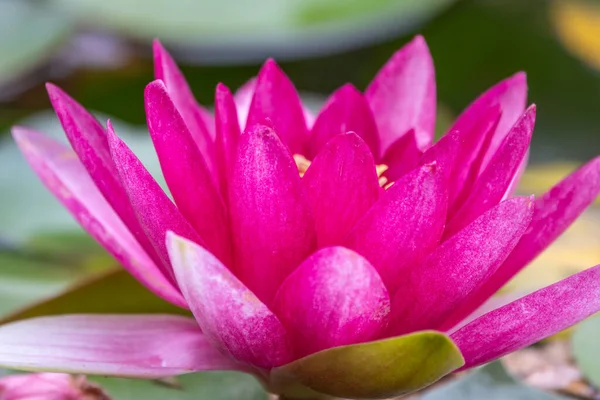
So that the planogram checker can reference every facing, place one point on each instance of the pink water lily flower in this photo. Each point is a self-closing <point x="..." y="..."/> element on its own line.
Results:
<point x="345" y="254"/>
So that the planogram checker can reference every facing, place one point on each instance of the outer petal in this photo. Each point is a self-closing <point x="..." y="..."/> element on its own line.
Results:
<point x="276" y="98"/>
<point x="493" y="183"/>
<point x="155" y="211"/>
<point x="403" y="226"/>
<point x="553" y="214"/>
<point x="243" y="99"/>
<point x="228" y="133"/>
<point x="402" y="95"/>
<point x="445" y="279"/>
<point x="401" y="157"/>
<point x="145" y="346"/>
<point x="530" y="319"/>
<point x="64" y="175"/>
<point x="273" y="226"/>
<point x="230" y="315"/>
<point x="346" y="110"/>
<point x="334" y="298"/>
<point x="186" y="173"/>
<point x="444" y="153"/>
<point x="342" y="185"/>
<point x="198" y="120"/>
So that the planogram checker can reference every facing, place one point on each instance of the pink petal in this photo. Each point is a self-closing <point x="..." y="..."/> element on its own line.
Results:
<point x="186" y="173"/>
<point x="155" y="211"/>
<point x="243" y="98"/>
<point x="401" y="157"/>
<point x="334" y="298"/>
<point x="89" y="141"/>
<point x="144" y="346"/>
<point x="444" y="153"/>
<point x="273" y="226"/>
<point x="64" y="175"/>
<point x="530" y="319"/>
<point x="198" y="120"/>
<point x="230" y="315"/>
<point x="228" y="133"/>
<point x="553" y="214"/>
<point x="341" y="184"/>
<point x="403" y="226"/>
<point x="346" y="110"/>
<point x="276" y="98"/>
<point x="402" y="95"/>
<point x="495" y="180"/>
<point x="445" y="280"/>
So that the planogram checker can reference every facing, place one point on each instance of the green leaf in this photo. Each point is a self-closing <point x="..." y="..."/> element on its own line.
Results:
<point x="384" y="368"/>
<point x="491" y="382"/>
<point x="586" y="348"/>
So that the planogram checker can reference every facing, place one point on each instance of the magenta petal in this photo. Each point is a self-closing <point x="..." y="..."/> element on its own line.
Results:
<point x="402" y="95"/>
<point x="403" y="226"/>
<point x="228" y="133"/>
<point x="401" y="157"/>
<point x="273" y="226"/>
<point x="144" y="346"/>
<point x="243" y="98"/>
<point x="197" y="119"/>
<point x="64" y="175"/>
<point x="346" y="110"/>
<point x="334" y="298"/>
<point x="155" y="211"/>
<point x="186" y="173"/>
<point x="495" y="180"/>
<point x="443" y="281"/>
<point x="230" y="315"/>
<point x="341" y="184"/>
<point x="530" y="319"/>
<point x="276" y="98"/>
<point x="444" y="153"/>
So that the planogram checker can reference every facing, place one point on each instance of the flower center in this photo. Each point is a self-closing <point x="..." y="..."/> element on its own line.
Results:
<point x="303" y="163"/>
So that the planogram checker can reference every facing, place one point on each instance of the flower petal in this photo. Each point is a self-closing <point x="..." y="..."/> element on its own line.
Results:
<point x="402" y="95"/>
<point x="272" y="224"/>
<point x="156" y="212"/>
<point x="228" y="133"/>
<point x="403" y="226"/>
<point x="243" y="98"/>
<point x="530" y="318"/>
<point x="64" y="175"/>
<point x="342" y="185"/>
<point x="186" y="173"/>
<point x="495" y="180"/>
<point x="346" y="110"/>
<point x="230" y="315"/>
<point x="444" y="280"/>
<point x="334" y="298"/>
<point x="144" y="346"/>
<point x="401" y="157"/>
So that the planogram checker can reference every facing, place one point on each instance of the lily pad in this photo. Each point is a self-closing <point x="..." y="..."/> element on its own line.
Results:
<point x="586" y="348"/>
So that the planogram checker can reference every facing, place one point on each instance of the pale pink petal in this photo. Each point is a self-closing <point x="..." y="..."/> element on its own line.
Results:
<point x="230" y="315"/>
<point x="402" y="95"/>
<point x="341" y="184"/>
<point x="276" y="98"/>
<point x="243" y="99"/>
<point x="186" y="173"/>
<point x="63" y="174"/>
<point x="272" y="223"/>
<point x="530" y="319"/>
<point x="495" y="180"/>
<point x="228" y="133"/>
<point x="403" y="226"/>
<point x="334" y="298"/>
<point x="401" y="157"/>
<point x="346" y="110"/>
<point x="155" y="211"/>
<point x="144" y="346"/>
<point x="430" y="291"/>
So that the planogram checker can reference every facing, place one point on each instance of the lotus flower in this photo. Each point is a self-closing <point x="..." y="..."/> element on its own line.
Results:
<point x="344" y="255"/>
<point x="49" y="386"/>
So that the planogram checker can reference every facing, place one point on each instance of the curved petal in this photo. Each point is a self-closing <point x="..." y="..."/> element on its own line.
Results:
<point x="530" y="318"/>
<point x="243" y="99"/>
<point x="156" y="212"/>
<point x="64" y="175"/>
<point x="228" y="133"/>
<point x="403" y="226"/>
<point x="402" y="95"/>
<point x="334" y="298"/>
<point x="230" y="315"/>
<point x="444" y="280"/>
<point x="272" y="224"/>
<point x="186" y="173"/>
<point x="401" y="157"/>
<point x="341" y="184"/>
<point x="144" y="346"/>
<point x="346" y="110"/>
<point x="276" y="98"/>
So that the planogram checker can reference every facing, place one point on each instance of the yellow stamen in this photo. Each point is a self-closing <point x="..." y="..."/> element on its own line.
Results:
<point x="302" y="163"/>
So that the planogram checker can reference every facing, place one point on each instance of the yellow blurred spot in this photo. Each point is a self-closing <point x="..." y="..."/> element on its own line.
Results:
<point x="302" y="163"/>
